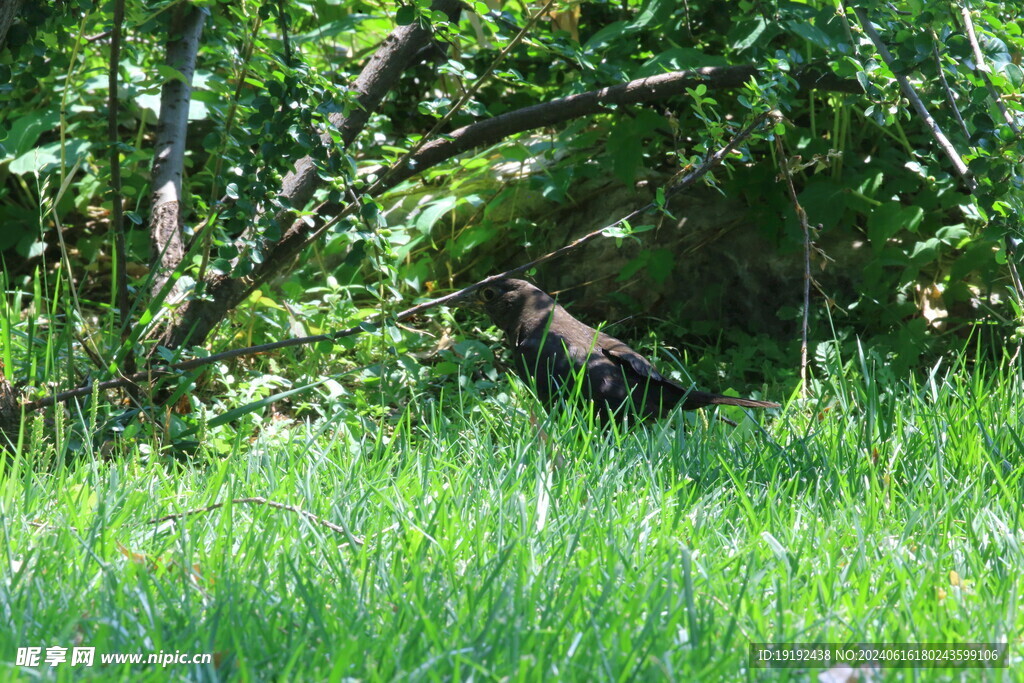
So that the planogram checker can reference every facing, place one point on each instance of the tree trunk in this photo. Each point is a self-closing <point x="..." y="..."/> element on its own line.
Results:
<point x="165" y="227"/>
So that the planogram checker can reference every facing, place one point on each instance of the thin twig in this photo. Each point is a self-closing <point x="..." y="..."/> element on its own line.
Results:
<point x="253" y="500"/>
<point x="801" y="214"/>
<point x="259" y="500"/>
<point x="945" y="86"/>
<point x="117" y="213"/>
<point x="915" y="100"/>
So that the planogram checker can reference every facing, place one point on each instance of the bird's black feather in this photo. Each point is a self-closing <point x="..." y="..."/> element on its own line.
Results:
<point x="552" y="350"/>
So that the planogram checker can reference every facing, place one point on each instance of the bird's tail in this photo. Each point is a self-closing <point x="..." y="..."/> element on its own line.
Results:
<point x="719" y="400"/>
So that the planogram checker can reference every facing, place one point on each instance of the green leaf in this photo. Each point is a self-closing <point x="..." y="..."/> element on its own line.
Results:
<point x="626" y="143"/>
<point x="25" y="131"/>
<point x="433" y="212"/>
<point x="824" y="201"/>
<point x="864" y="81"/>
<point x="926" y="250"/>
<point x="370" y="212"/>
<point x="954" y="235"/>
<point x="679" y="59"/>
<point x="444" y="368"/>
<point x="746" y="34"/>
<point x="473" y="237"/>
<point x="618" y="231"/>
<point x="811" y="34"/>
<point x="1014" y="74"/>
<point x="606" y="36"/>
<point x="169" y="73"/>
<point x="47" y="157"/>
<point x="887" y="220"/>
<point x="653" y="14"/>
<point x="633" y="267"/>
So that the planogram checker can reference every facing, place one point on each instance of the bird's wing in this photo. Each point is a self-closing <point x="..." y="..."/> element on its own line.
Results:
<point x="620" y="354"/>
<point x="657" y="394"/>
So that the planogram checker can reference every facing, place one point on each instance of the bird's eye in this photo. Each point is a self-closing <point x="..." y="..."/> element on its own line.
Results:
<point x="488" y="294"/>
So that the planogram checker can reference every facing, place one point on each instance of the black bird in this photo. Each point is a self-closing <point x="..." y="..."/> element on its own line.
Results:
<point x="551" y="349"/>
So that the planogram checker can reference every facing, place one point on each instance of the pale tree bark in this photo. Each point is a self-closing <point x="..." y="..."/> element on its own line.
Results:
<point x="165" y="222"/>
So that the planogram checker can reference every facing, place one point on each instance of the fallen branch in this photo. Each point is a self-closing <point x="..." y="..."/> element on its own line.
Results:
<point x="259" y="500"/>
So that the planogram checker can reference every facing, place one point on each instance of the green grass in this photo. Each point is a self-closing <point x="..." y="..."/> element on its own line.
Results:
<point x="655" y="554"/>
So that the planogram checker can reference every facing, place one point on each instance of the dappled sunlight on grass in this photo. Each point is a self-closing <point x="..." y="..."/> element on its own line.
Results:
<point x="483" y="545"/>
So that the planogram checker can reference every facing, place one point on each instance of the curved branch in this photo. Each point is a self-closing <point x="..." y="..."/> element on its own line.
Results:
<point x="653" y="88"/>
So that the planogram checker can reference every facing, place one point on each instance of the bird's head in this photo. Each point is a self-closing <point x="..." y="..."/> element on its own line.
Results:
<point x="511" y="304"/>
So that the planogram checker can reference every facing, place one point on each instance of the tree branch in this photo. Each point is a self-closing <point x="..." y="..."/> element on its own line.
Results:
<point x="492" y="130"/>
<point x="786" y="168"/>
<point x="197" y="318"/>
<point x="950" y="99"/>
<point x="982" y="69"/>
<point x="915" y="100"/>
<point x="394" y="55"/>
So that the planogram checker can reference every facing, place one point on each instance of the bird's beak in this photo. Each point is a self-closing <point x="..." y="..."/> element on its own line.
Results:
<point x="468" y="299"/>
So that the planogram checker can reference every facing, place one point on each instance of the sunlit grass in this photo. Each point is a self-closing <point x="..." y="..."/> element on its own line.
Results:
<point x="884" y="510"/>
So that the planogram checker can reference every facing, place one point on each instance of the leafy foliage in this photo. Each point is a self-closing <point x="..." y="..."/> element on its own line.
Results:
<point x="907" y="259"/>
